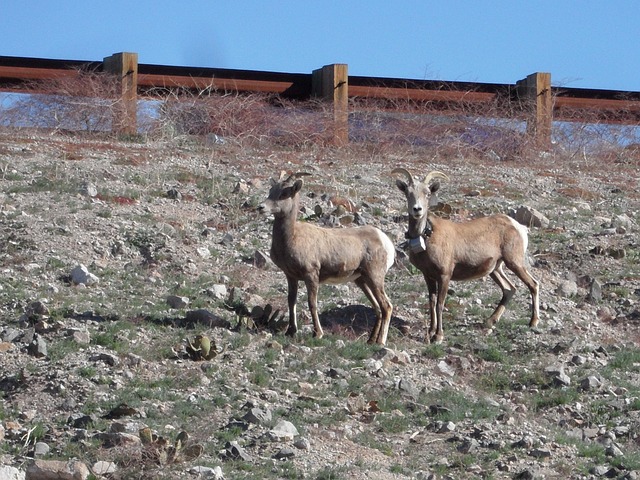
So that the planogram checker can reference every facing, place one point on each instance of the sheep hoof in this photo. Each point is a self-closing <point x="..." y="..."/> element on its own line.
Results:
<point x="291" y="332"/>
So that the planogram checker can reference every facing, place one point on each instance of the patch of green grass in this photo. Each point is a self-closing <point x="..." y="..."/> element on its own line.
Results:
<point x="459" y="406"/>
<point x="554" y="398"/>
<point x="370" y="440"/>
<point x="434" y="351"/>
<point x="58" y="350"/>
<point x="87" y="371"/>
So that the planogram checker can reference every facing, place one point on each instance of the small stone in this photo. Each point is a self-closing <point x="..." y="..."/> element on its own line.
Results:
<point x="595" y="291"/>
<point x="613" y="451"/>
<point x="104" y="468"/>
<point x="207" y="473"/>
<point x="80" y="275"/>
<point x="445" y="369"/>
<point x="46" y="469"/>
<point x="590" y="383"/>
<point x="541" y="453"/>
<point x="447" y="427"/>
<point x="257" y="416"/>
<point x="90" y="190"/>
<point x="284" y="454"/>
<point x="82" y="337"/>
<point x="38" y="347"/>
<point x="530" y="217"/>
<point x="11" y="473"/>
<point x="41" y="449"/>
<point x="261" y="260"/>
<point x="284" y="430"/>
<point x="177" y="302"/>
<point x="218" y="291"/>
<point x="469" y="445"/>
<point x="302" y="444"/>
<point x="236" y="452"/>
<point x="205" y="317"/>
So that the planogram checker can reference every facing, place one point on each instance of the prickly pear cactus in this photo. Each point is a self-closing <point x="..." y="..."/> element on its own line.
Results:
<point x="203" y="348"/>
<point x="159" y="449"/>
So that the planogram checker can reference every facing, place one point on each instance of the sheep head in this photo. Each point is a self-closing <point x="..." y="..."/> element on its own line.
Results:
<point x="282" y="198"/>
<point x="418" y="196"/>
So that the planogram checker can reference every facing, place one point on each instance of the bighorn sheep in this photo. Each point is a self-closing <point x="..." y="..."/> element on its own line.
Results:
<point x="443" y="250"/>
<point x="318" y="255"/>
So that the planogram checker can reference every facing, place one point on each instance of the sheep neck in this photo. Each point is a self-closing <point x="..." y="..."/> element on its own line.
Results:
<point x="421" y="227"/>
<point x="284" y="224"/>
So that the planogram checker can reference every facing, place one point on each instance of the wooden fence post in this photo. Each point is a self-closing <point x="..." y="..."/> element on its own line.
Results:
<point x="536" y="92"/>
<point x="331" y="83"/>
<point x="124" y="66"/>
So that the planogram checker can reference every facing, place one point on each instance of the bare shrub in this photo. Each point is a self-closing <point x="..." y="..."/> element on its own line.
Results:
<point x="472" y="130"/>
<point x="242" y="117"/>
<point x="85" y="101"/>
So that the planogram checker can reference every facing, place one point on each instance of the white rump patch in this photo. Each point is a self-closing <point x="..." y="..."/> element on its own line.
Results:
<point x="389" y="247"/>
<point x="523" y="231"/>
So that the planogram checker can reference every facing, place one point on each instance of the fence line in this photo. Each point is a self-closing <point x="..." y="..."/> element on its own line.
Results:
<point x="532" y="99"/>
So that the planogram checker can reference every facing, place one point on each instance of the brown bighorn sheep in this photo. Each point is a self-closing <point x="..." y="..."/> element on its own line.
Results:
<point x="318" y="255"/>
<point x="443" y="250"/>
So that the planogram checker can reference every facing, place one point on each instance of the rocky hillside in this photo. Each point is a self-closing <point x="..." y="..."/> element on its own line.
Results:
<point x="119" y="260"/>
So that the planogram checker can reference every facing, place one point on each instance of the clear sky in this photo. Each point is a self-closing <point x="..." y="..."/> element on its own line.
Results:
<point x="582" y="43"/>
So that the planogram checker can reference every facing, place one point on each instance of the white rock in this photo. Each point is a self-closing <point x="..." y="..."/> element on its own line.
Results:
<point x="284" y="430"/>
<point x="104" y="468"/>
<point x="81" y="276"/>
<point x="11" y="473"/>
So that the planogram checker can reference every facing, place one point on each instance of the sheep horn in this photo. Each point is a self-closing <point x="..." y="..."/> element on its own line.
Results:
<point x="434" y="174"/>
<point x="294" y="176"/>
<point x="405" y="172"/>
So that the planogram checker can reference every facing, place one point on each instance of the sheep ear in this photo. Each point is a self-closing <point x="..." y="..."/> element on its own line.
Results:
<point x="297" y="186"/>
<point x="434" y="187"/>
<point x="402" y="186"/>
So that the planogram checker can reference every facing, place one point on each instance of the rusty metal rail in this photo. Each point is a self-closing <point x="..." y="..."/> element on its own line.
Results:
<point x="532" y="98"/>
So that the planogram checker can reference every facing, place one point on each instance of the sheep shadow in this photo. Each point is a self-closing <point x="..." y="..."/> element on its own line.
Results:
<point x="355" y="321"/>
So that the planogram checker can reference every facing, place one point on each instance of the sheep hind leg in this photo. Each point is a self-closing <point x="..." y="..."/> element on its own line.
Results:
<point x="376" y="307"/>
<point x="312" y="292"/>
<point x="383" y="314"/>
<point x="534" y="288"/>
<point x="508" y="290"/>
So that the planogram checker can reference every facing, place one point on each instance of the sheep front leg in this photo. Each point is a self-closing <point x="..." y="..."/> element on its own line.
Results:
<point x="312" y="292"/>
<point x="432" y="288"/>
<point x="292" y="298"/>
<point x="443" y="287"/>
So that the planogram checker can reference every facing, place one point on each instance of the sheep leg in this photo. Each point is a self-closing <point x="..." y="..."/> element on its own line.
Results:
<point x="376" y="307"/>
<point x="312" y="292"/>
<point x="386" y="310"/>
<point x="534" y="287"/>
<point x="443" y="287"/>
<point x="508" y="289"/>
<point x="432" y="287"/>
<point x="382" y="307"/>
<point x="292" y="298"/>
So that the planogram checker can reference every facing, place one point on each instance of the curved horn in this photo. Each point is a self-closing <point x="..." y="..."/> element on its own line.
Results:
<point x="405" y="172"/>
<point x="293" y="176"/>
<point x="434" y="174"/>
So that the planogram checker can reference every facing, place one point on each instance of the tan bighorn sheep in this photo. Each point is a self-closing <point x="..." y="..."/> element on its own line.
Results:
<point x="443" y="251"/>
<point x="316" y="255"/>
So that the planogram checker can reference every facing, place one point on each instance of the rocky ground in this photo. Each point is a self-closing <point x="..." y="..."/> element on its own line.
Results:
<point x="117" y="258"/>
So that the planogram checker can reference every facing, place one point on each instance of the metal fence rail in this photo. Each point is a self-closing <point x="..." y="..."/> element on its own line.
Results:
<point x="532" y="99"/>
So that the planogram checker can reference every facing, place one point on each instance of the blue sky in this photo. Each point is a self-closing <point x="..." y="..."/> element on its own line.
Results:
<point x="583" y="43"/>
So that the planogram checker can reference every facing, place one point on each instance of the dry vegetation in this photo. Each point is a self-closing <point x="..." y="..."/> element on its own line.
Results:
<point x="173" y="214"/>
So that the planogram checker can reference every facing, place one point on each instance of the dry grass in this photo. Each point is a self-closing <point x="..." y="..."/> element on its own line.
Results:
<point x="88" y="102"/>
